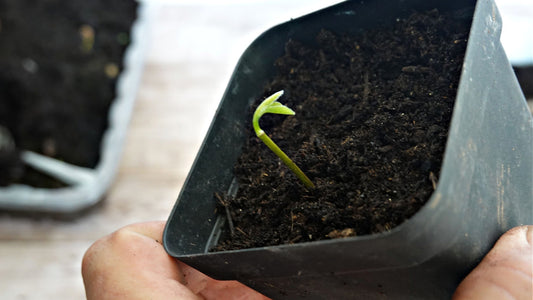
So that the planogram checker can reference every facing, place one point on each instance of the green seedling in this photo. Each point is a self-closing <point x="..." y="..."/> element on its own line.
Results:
<point x="271" y="105"/>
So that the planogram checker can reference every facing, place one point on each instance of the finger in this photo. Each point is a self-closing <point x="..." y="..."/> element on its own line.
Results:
<point x="153" y="230"/>
<point x="506" y="272"/>
<point x="131" y="263"/>
<point x="209" y="288"/>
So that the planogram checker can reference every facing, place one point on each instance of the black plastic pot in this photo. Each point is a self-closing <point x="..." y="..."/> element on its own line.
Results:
<point x="484" y="188"/>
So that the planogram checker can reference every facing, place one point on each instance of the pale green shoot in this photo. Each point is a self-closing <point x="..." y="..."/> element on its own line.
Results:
<point x="271" y="105"/>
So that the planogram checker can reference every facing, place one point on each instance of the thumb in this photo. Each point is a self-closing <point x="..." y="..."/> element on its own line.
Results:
<point x="506" y="272"/>
<point x="132" y="264"/>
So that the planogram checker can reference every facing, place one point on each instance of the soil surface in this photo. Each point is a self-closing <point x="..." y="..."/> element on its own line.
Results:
<point x="59" y="62"/>
<point x="371" y="123"/>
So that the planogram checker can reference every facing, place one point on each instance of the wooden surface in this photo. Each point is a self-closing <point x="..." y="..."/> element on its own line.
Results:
<point x="192" y="51"/>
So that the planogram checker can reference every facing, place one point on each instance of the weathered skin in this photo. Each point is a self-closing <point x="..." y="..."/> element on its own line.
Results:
<point x="131" y="263"/>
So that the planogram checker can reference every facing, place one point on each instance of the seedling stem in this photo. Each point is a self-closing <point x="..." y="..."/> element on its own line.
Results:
<point x="271" y="105"/>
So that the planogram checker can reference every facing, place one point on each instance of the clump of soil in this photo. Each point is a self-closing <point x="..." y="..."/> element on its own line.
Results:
<point x="59" y="62"/>
<point x="372" y="118"/>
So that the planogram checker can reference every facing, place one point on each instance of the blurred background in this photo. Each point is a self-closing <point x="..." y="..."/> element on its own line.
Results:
<point x="184" y="78"/>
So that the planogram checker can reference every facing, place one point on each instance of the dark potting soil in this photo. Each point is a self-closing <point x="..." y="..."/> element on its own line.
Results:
<point x="524" y="74"/>
<point x="371" y="123"/>
<point x="59" y="62"/>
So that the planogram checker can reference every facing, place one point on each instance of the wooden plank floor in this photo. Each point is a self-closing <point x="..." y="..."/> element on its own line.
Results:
<point x="193" y="49"/>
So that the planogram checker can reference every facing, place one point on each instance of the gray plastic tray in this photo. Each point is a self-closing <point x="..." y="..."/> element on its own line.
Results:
<point x="87" y="186"/>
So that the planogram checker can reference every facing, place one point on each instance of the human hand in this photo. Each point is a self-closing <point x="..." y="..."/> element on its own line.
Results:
<point x="506" y="272"/>
<point x="131" y="263"/>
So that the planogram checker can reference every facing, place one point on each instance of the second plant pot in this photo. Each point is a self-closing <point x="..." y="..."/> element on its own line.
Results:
<point x="483" y="189"/>
<point x="58" y="185"/>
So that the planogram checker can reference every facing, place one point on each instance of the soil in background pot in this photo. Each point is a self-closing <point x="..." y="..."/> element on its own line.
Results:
<point x="59" y="62"/>
<point x="371" y="123"/>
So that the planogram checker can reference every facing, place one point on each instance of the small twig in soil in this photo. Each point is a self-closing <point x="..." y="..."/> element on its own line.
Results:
<point x="228" y="214"/>
<point x="241" y="231"/>
<point x="296" y="239"/>
<point x="433" y="179"/>
<point x="292" y="221"/>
